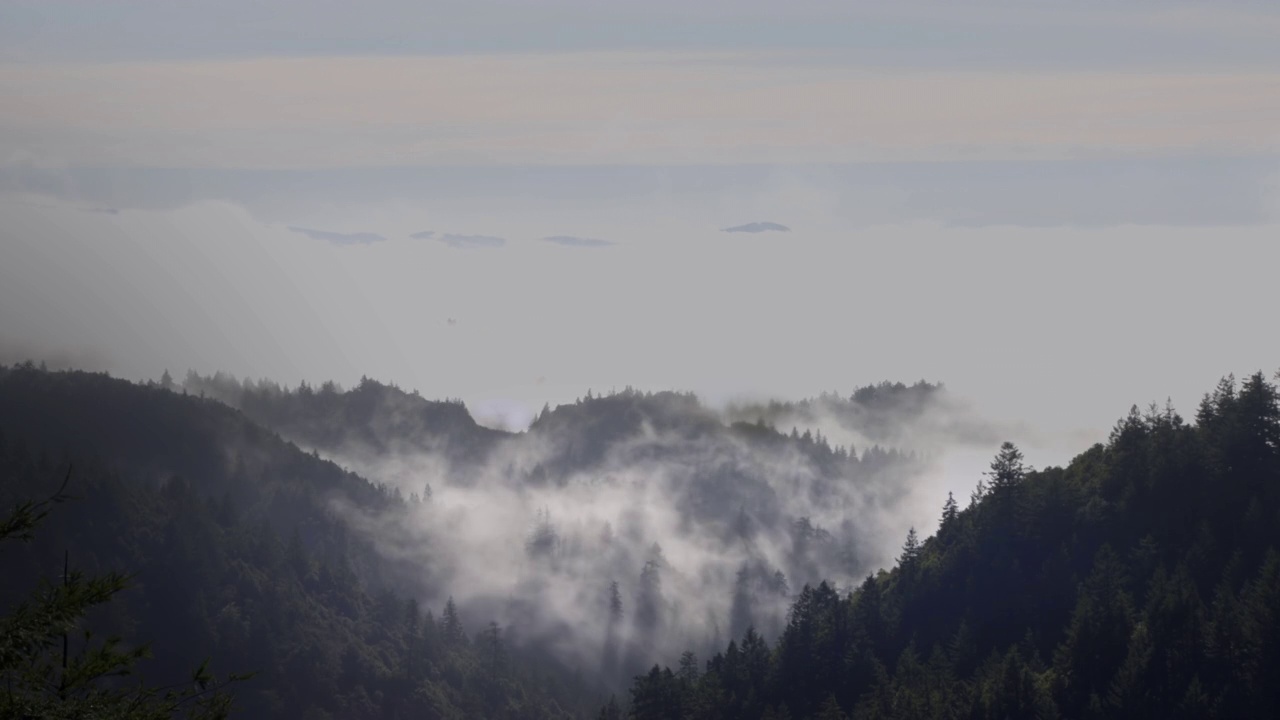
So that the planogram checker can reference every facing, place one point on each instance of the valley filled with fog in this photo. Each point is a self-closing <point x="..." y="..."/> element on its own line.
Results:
<point x="632" y="526"/>
<point x="676" y="360"/>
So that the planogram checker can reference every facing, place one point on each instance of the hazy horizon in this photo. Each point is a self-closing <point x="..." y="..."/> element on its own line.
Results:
<point x="813" y="327"/>
<point x="518" y="205"/>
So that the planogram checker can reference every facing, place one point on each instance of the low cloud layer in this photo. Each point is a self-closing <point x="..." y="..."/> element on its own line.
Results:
<point x="706" y="526"/>
<point x="616" y="202"/>
<point x="340" y="238"/>
<point x="999" y="313"/>
<point x="210" y="287"/>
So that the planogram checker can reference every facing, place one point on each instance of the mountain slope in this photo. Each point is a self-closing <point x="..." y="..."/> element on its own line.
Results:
<point x="369" y="420"/>
<point x="699" y="527"/>
<point x="1142" y="580"/>
<point x="241" y="553"/>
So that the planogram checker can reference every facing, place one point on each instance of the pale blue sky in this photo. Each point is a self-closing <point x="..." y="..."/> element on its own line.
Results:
<point x="1088" y="34"/>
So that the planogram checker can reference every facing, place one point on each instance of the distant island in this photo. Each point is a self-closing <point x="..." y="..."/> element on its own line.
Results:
<point x="339" y="238"/>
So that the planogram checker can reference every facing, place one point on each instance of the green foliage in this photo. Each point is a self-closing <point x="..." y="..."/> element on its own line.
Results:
<point x="1143" y="580"/>
<point x="43" y="678"/>
<point x="239" y="556"/>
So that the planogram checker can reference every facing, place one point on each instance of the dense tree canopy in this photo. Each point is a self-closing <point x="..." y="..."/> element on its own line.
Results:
<point x="43" y="676"/>
<point x="239" y="558"/>
<point x="1142" y="580"/>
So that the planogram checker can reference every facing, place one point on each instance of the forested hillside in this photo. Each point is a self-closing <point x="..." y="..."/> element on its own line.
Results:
<point x="370" y="420"/>
<point x="237" y="555"/>
<point x="613" y="533"/>
<point x="1142" y="580"/>
<point x="483" y="573"/>
<point x="634" y="524"/>
<point x="887" y="413"/>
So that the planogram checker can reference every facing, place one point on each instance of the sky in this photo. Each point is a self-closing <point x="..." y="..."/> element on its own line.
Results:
<point x="1058" y="209"/>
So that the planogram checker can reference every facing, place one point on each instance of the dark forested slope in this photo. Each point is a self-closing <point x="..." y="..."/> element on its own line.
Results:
<point x="238" y="555"/>
<point x="1142" y="580"/>
<point x="368" y="420"/>
<point x="631" y="524"/>
<point x="705" y="525"/>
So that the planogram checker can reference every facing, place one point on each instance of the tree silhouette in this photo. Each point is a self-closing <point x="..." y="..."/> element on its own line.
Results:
<point x="43" y="679"/>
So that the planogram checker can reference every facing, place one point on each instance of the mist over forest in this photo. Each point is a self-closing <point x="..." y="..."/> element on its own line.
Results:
<point x="663" y="360"/>
<point x="368" y="551"/>
<point x="622" y="529"/>
<point x="630" y="525"/>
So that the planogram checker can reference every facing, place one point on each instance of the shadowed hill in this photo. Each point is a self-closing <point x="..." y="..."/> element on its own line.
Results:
<point x="154" y="434"/>
<point x="242" y="551"/>
<point x="371" y="418"/>
<point x="588" y="492"/>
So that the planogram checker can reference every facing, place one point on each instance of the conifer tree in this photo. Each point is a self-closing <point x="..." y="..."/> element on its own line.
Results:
<point x="610" y="711"/>
<point x="1007" y="469"/>
<point x="42" y="678"/>
<point x="689" y="670"/>
<point x="451" y="624"/>
<point x="950" y="512"/>
<point x="494" y="653"/>
<point x="911" y="548"/>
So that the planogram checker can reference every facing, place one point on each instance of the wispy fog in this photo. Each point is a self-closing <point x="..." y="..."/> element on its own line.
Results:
<point x="1001" y="314"/>
<point x="648" y="315"/>
<point x="705" y="523"/>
